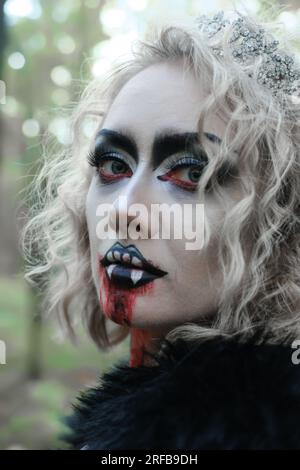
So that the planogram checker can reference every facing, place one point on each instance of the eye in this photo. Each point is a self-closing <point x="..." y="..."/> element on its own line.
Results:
<point x="113" y="169"/>
<point x="110" y="167"/>
<point x="186" y="173"/>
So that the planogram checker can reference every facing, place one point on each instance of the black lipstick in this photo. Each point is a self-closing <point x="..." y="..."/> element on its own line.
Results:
<point x="127" y="267"/>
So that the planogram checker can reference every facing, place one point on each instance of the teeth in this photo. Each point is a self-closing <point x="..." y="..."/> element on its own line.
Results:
<point x="109" y="269"/>
<point x="110" y="256"/>
<point x="126" y="257"/>
<point x="136" y="275"/>
<point x="136" y="261"/>
<point x="117" y="255"/>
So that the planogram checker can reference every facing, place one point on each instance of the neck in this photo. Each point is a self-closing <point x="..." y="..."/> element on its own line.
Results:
<point x="143" y="341"/>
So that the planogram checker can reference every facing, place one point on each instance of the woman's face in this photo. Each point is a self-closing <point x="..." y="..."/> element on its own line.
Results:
<point x="180" y="285"/>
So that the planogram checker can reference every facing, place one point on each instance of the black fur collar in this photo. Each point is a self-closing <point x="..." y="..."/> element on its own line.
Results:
<point x="219" y="394"/>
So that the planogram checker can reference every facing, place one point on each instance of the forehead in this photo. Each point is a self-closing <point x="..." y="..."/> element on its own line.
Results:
<point x="162" y="96"/>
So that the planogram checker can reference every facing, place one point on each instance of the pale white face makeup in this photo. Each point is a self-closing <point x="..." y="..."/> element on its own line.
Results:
<point x="161" y="98"/>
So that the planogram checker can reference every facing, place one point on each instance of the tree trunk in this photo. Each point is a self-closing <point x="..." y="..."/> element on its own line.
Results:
<point x="3" y="37"/>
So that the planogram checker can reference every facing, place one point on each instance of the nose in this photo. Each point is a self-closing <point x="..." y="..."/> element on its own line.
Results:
<point x="130" y="216"/>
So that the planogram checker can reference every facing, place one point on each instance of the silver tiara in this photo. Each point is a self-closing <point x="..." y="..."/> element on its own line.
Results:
<point x="276" y="71"/>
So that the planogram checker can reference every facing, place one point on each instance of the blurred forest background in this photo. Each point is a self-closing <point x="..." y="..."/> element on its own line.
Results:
<point x="47" y="50"/>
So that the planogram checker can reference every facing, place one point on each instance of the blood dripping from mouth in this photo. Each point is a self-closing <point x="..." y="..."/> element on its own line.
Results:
<point x="117" y="304"/>
<point x="138" y="353"/>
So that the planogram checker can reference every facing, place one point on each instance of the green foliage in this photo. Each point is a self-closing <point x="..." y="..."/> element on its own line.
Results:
<point x="32" y="411"/>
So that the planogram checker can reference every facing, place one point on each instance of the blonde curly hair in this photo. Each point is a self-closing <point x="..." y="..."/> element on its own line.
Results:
<point x="261" y="290"/>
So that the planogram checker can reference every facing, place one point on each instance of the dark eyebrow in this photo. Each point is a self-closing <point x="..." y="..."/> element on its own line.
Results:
<point x="165" y="143"/>
<point x="117" y="139"/>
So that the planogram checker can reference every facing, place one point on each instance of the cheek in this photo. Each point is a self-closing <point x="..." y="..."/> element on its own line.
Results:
<point x="91" y="220"/>
<point x="93" y="201"/>
<point x="197" y="280"/>
<point x="90" y="209"/>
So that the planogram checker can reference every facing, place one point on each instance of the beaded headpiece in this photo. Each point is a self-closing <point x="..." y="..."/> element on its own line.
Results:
<point x="276" y="71"/>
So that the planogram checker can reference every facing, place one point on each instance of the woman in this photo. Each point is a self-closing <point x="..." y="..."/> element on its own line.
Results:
<point x="203" y="118"/>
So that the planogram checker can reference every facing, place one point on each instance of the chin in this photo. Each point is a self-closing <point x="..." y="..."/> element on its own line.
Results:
<point x="145" y="319"/>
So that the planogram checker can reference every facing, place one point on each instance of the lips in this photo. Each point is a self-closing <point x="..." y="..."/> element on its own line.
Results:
<point x="127" y="267"/>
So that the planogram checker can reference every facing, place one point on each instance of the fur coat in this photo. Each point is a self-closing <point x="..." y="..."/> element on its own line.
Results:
<point x="216" y="394"/>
